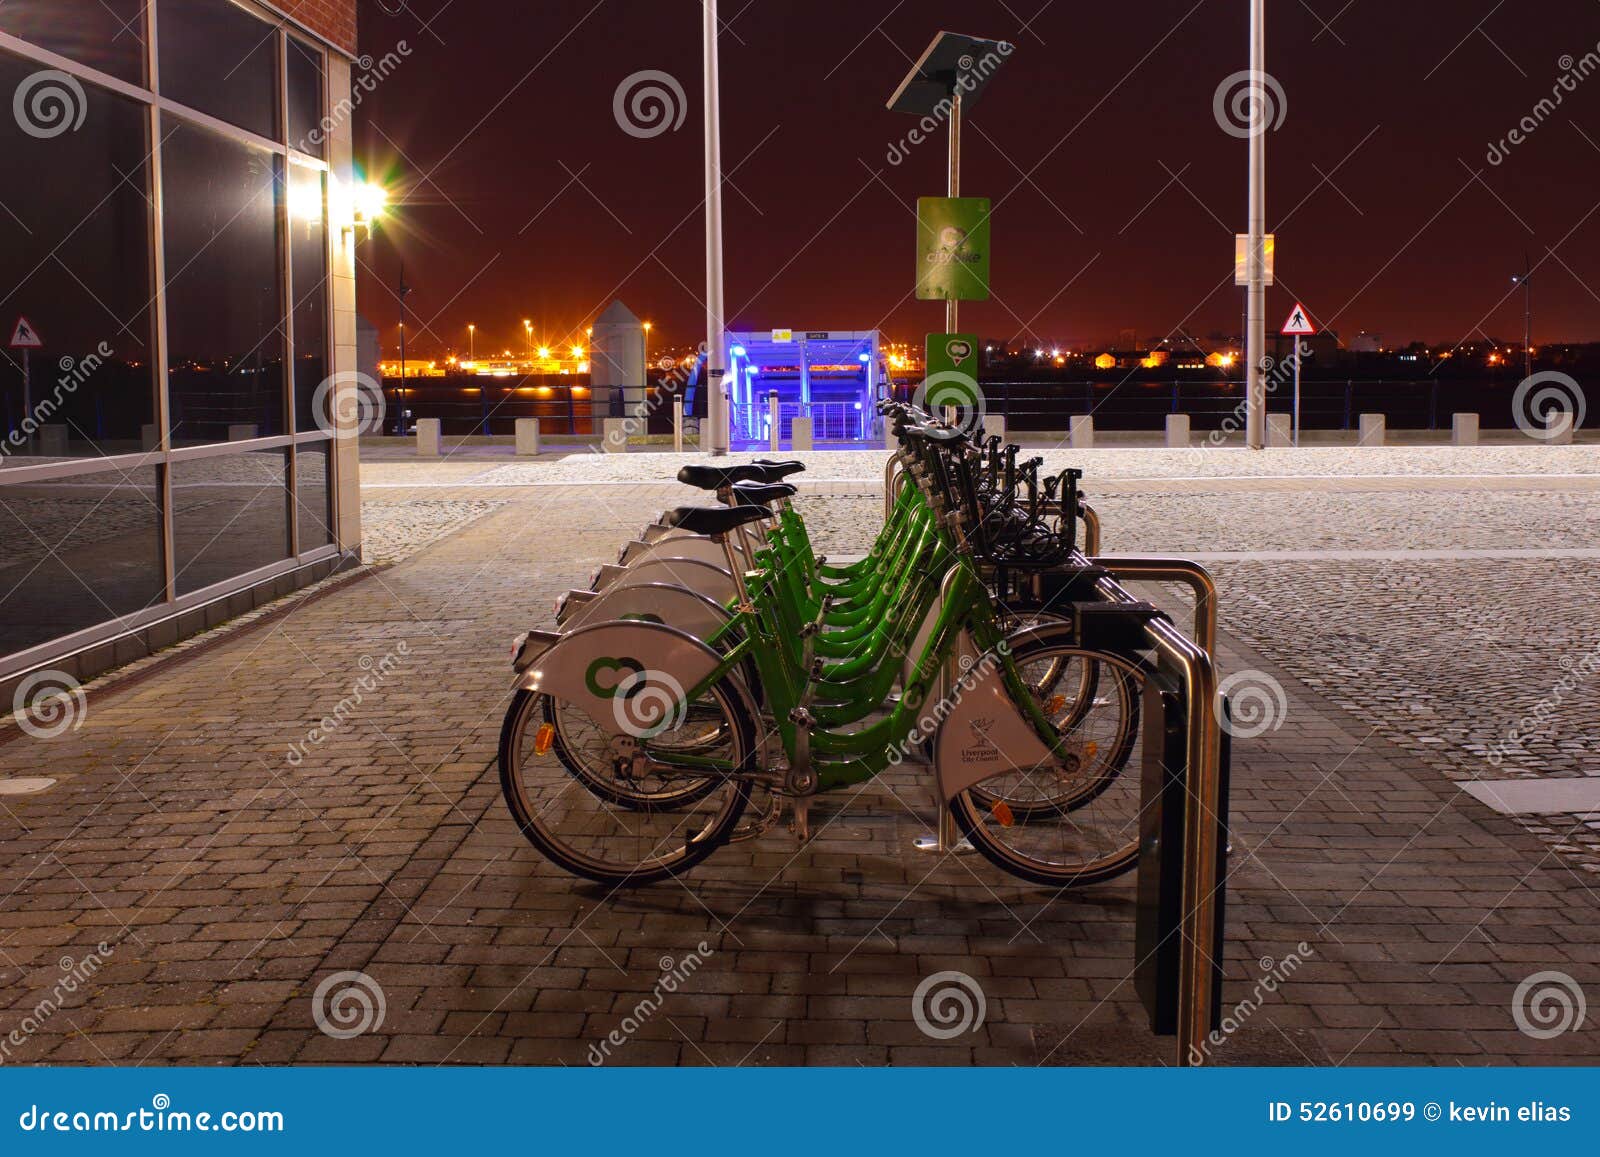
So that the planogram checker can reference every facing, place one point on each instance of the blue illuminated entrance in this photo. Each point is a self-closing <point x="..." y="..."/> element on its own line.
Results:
<point x="832" y="377"/>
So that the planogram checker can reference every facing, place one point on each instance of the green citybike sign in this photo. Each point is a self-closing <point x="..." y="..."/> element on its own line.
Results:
<point x="949" y="354"/>
<point x="953" y="248"/>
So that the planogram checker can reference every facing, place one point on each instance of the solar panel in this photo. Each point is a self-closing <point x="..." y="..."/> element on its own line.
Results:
<point x="951" y="60"/>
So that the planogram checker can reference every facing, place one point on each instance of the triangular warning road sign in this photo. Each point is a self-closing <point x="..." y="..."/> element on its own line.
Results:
<point x="25" y="337"/>
<point x="1299" y="322"/>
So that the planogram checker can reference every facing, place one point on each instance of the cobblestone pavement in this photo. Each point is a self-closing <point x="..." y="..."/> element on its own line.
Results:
<point x="239" y="828"/>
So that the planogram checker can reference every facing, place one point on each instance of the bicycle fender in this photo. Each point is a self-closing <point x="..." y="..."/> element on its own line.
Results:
<point x="626" y="676"/>
<point x="676" y="606"/>
<point x="981" y="731"/>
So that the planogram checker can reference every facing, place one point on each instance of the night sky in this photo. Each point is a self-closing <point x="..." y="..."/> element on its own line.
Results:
<point x="1116" y="193"/>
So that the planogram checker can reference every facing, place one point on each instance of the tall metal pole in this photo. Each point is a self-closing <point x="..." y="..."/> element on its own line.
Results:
<point x="716" y="328"/>
<point x="1527" y="317"/>
<point x="953" y="186"/>
<point x="403" y="290"/>
<point x="1256" y="294"/>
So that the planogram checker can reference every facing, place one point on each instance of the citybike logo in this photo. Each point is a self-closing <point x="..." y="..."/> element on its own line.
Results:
<point x="645" y="702"/>
<point x="1249" y="103"/>
<point x="49" y="103"/>
<point x="649" y="103"/>
<point x="953" y="248"/>
<point x="1548" y="405"/>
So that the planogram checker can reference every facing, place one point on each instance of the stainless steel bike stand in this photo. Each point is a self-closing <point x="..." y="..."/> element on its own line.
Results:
<point x="946" y="839"/>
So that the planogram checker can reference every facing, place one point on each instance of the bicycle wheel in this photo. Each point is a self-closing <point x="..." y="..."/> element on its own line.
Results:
<point x="1082" y="822"/>
<point x="587" y="831"/>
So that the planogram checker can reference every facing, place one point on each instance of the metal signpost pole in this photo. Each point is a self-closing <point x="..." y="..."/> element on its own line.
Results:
<point x="1297" y="392"/>
<point x="1255" y="257"/>
<point x="954" y="186"/>
<point x="716" y="356"/>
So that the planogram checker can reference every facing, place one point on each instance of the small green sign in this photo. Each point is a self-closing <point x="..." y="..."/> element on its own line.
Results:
<point x="952" y="353"/>
<point x="953" y="248"/>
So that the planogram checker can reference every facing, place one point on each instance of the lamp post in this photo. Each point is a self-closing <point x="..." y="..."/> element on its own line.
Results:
<point x="716" y="357"/>
<point x="472" y="343"/>
<point x="402" y="290"/>
<point x="1255" y="259"/>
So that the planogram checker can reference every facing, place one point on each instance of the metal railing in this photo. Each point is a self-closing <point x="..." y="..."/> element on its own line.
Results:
<point x="752" y="422"/>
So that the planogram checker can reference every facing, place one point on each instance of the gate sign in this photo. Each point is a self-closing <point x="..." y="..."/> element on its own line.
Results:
<point x="783" y="335"/>
<point x="952" y="249"/>
<point x="1299" y="323"/>
<point x="25" y="337"/>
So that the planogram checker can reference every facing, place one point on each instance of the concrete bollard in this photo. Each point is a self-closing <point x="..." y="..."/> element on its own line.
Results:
<point x="800" y="434"/>
<point x="527" y="437"/>
<point x="1177" y="431"/>
<point x="243" y="431"/>
<point x="774" y="420"/>
<point x="677" y="425"/>
<point x="1081" y="435"/>
<point x="994" y="425"/>
<point x="53" y="440"/>
<point x="1372" y="430"/>
<point x="1463" y="429"/>
<point x="1280" y="430"/>
<point x="1557" y="425"/>
<point x="428" y="437"/>
<point x="615" y="438"/>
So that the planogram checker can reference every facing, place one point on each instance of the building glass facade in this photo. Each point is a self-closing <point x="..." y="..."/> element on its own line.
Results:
<point x="167" y="300"/>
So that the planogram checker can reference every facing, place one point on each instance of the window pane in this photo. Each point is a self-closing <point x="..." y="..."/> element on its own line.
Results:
<point x="75" y="262"/>
<point x="104" y="34"/>
<point x="308" y="255"/>
<point x="224" y="287"/>
<point x="230" y="515"/>
<point x="304" y="95"/>
<point x="218" y="58"/>
<point x="313" y="480"/>
<point x="75" y="552"/>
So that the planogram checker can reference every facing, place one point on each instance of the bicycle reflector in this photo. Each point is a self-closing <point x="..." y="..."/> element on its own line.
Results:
<point x="543" y="738"/>
<point x="1001" y="811"/>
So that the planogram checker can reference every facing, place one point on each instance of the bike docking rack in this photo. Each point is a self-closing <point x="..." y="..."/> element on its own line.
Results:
<point x="1180" y="916"/>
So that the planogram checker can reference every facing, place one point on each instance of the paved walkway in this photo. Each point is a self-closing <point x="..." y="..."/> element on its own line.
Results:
<point x="209" y="869"/>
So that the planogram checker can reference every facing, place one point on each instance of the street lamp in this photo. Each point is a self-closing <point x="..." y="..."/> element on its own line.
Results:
<point x="472" y="343"/>
<point x="527" y="333"/>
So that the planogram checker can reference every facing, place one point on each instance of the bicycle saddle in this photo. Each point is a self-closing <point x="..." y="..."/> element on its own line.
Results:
<point x="777" y="471"/>
<point x="759" y="494"/>
<point x="718" y="477"/>
<point x="715" y="519"/>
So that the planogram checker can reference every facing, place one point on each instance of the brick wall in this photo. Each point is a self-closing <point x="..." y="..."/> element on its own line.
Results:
<point x="334" y="19"/>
